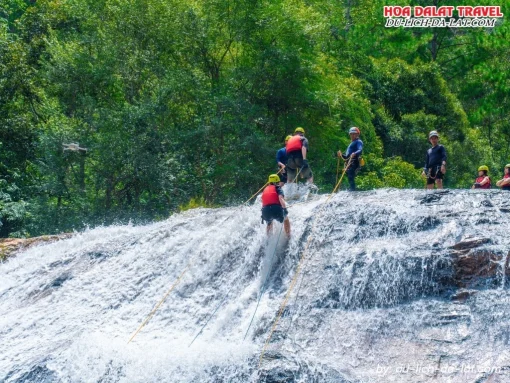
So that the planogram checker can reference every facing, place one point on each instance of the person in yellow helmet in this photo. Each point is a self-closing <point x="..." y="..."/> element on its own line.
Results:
<point x="482" y="181"/>
<point x="504" y="183"/>
<point x="297" y="150"/>
<point x="281" y="160"/>
<point x="274" y="205"/>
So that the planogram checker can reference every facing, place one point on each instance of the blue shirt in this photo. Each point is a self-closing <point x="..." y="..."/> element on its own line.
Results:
<point x="355" y="147"/>
<point x="281" y="156"/>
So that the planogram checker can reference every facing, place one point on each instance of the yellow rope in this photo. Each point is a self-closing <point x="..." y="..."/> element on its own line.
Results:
<point x="298" y="269"/>
<point x="180" y="277"/>
<point x="258" y="191"/>
<point x="160" y="302"/>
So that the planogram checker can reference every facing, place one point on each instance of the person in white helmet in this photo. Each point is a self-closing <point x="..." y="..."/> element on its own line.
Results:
<point x="435" y="162"/>
<point x="353" y="152"/>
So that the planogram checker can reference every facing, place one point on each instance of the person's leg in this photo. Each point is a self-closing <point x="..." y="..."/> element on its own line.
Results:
<point x="307" y="173"/>
<point x="291" y="175"/>
<point x="269" y="228"/>
<point x="431" y="179"/>
<point x="351" y="174"/>
<point x="286" y="226"/>
<point x="439" y="179"/>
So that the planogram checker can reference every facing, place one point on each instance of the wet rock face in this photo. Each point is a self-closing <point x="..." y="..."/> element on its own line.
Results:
<point x="477" y="265"/>
<point x="10" y="246"/>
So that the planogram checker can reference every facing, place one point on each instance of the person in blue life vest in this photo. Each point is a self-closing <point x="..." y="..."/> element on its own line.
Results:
<point x="353" y="154"/>
<point x="281" y="160"/>
<point x="504" y="183"/>
<point x="435" y="162"/>
<point x="482" y="181"/>
<point x="274" y="206"/>
<point x="297" y="150"/>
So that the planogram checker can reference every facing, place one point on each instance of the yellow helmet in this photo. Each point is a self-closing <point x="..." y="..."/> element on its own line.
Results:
<point x="299" y="130"/>
<point x="483" y="167"/>
<point x="507" y="166"/>
<point x="273" y="178"/>
<point x="288" y="138"/>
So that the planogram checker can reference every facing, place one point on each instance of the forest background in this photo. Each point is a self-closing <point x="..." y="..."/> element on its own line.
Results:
<point x="184" y="103"/>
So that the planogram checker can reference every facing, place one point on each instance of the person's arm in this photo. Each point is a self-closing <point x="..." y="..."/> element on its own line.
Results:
<point x="443" y="160"/>
<point x="425" y="169"/>
<point x="279" y="158"/>
<point x="505" y="181"/>
<point x="484" y="181"/>
<point x="282" y="201"/>
<point x="304" y="148"/>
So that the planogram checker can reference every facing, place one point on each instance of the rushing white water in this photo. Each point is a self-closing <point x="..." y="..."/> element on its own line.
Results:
<point x="373" y="302"/>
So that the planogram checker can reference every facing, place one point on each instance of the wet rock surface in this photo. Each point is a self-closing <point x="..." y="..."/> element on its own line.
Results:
<point x="10" y="246"/>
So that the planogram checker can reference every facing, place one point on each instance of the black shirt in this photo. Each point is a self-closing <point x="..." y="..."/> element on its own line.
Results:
<point x="435" y="157"/>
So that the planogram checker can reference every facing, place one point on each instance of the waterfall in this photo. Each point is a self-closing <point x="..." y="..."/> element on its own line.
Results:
<point x="396" y="285"/>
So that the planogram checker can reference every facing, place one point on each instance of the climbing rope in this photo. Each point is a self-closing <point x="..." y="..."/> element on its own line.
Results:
<point x="151" y="314"/>
<point x="337" y="169"/>
<point x="265" y="282"/>
<point x="299" y="266"/>
<point x="258" y="191"/>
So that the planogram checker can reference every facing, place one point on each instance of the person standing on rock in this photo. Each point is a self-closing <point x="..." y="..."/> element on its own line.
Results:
<point x="504" y="183"/>
<point x="435" y="162"/>
<point x="483" y="181"/>
<point x="297" y="150"/>
<point x="352" y="155"/>
<point x="274" y="206"/>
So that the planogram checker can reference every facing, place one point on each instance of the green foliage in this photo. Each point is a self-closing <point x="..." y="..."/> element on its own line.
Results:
<point x="175" y="99"/>
<point x="195" y="203"/>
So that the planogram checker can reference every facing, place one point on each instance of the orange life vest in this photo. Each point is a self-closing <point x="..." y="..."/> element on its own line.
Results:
<point x="294" y="144"/>
<point x="270" y="196"/>
<point x="484" y="186"/>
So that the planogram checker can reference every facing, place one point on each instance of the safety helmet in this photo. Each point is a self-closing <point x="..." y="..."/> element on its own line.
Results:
<point x="273" y="178"/>
<point x="354" y="130"/>
<point x="288" y="138"/>
<point x="483" y="167"/>
<point x="507" y="166"/>
<point x="299" y="130"/>
<point x="432" y="134"/>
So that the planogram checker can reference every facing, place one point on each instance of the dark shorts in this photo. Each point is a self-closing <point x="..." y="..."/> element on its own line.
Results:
<point x="434" y="174"/>
<point x="271" y="212"/>
<point x="506" y="187"/>
<point x="294" y="164"/>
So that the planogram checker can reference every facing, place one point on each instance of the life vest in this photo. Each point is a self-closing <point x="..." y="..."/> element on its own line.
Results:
<point x="484" y="186"/>
<point x="506" y="187"/>
<point x="294" y="143"/>
<point x="270" y="196"/>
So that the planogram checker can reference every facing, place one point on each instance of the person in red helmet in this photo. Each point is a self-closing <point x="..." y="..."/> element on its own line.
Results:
<point x="353" y="153"/>
<point x="274" y="206"/>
